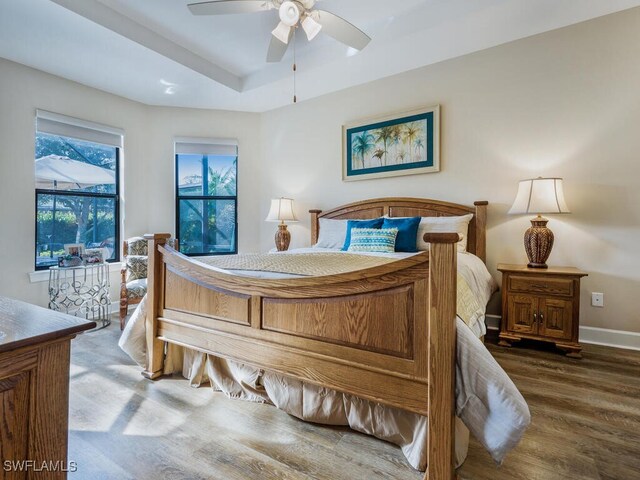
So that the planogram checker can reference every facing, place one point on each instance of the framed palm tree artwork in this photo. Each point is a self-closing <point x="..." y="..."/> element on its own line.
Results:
<point x="393" y="145"/>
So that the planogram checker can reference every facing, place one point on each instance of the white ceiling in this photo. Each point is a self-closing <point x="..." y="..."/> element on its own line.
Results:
<point x="156" y="52"/>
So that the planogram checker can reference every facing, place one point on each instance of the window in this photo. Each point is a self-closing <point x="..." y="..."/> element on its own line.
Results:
<point x="207" y="196"/>
<point x="76" y="169"/>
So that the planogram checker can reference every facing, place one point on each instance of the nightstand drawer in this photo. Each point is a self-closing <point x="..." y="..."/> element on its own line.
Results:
<point x="548" y="285"/>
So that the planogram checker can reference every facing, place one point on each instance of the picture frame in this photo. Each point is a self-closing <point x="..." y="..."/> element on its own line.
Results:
<point x="74" y="249"/>
<point x="93" y="256"/>
<point x="69" y="261"/>
<point x="392" y="145"/>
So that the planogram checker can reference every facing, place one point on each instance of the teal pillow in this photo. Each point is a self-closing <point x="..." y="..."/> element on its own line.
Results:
<point x="407" y="232"/>
<point x="373" y="240"/>
<point x="375" y="223"/>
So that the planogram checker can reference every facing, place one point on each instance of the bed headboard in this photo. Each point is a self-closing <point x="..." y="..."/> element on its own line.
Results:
<point x="412" y="207"/>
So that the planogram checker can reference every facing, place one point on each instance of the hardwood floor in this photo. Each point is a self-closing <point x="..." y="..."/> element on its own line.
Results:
<point x="586" y="425"/>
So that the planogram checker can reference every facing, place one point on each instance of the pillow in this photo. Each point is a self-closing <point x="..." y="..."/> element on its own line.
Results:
<point x="375" y="223"/>
<point x="373" y="240"/>
<point x="332" y="233"/>
<point x="407" y="232"/>
<point x="444" y="224"/>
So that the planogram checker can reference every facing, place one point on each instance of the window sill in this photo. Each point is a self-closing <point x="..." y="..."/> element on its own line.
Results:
<point x="43" y="275"/>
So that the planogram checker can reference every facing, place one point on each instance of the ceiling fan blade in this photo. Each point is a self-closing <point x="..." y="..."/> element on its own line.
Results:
<point x="277" y="49"/>
<point x="343" y="31"/>
<point x="228" y="7"/>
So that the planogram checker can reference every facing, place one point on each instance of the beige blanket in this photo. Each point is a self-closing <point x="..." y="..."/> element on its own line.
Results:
<point x="309" y="264"/>
<point x="320" y="264"/>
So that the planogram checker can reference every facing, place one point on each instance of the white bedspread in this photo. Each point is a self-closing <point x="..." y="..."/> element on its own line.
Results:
<point x="487" y="401"/>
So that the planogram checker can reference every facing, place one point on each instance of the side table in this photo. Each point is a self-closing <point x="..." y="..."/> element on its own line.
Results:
<point x="541" y="304"/>
<point x="81" y="291"/>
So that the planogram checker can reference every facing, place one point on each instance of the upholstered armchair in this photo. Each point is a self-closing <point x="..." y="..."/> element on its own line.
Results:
<point x="133" y="285"/>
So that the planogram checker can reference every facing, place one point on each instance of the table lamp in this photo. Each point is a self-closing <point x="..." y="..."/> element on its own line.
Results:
<point x="539" y="195"/>
<point x="282" y="210"/>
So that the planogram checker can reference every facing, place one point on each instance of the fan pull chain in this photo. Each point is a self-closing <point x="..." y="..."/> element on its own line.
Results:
<point x="295" y="68"/>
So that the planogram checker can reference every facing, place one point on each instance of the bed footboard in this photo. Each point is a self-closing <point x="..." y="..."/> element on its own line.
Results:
<point x="386" y="334"/>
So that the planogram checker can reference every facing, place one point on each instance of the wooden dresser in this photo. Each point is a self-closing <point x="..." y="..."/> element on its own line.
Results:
<point x="34" y="390"/>
<point x="541" y="304"/>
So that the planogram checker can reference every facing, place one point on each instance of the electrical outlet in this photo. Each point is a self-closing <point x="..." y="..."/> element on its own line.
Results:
<point x="597" y="299"/>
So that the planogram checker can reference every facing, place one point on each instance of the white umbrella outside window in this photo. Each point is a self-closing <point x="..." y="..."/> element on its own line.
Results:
<point x="56" y="172"/>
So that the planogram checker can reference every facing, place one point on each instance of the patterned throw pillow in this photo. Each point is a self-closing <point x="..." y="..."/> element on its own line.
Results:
<point x="351" y="224"/>
<point x="136" y="267"/>
<point x="373" y="240"/>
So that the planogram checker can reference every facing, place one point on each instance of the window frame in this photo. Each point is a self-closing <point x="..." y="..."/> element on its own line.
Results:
<point x="115" y="196"/>
<point x="204" y="198"/>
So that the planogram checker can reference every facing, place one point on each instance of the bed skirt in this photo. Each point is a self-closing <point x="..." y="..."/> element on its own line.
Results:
<point x="305" y="401"/>
<point x="487" y="401"/>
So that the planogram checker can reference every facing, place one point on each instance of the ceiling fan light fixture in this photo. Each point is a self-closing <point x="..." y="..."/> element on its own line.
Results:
<point x="289" y="13"/>
<point x="311" y="27"/>
<point x="282" y="32"/>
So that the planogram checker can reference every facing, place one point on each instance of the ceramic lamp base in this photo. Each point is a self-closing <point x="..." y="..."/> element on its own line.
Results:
<point x="538" y="242"/>
<point x="283" y="238"/>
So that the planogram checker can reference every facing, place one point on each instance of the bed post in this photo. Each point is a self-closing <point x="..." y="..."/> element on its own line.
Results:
<point x="481" y="230"/>
<point x="442" y="355"/>
<point x="314" y="225"/>
<point x="155" y="280"/>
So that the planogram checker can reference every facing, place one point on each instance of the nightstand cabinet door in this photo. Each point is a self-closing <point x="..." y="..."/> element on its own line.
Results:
<point x="522" y="314"/>
<point x="555" y="317"/>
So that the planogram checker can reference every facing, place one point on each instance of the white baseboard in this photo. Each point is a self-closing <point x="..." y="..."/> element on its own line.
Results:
<point x="492" y="322"/>
<point x="592" y="335"/>
<point x="610" y="338"/>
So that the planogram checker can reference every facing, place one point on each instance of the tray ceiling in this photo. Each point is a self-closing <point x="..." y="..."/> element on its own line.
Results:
<point x="156" y="52"/>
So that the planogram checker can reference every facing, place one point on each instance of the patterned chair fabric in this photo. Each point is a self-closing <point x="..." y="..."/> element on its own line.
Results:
<point x="136" y="267"/>
<point x="134" y="273"/>
<point x="137" y="289"/>
<point x="137" y="246"/>
<point x="133" y="285"/>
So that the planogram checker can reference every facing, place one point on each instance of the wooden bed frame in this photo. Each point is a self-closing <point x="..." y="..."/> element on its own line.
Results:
<point x="385" y="334"/>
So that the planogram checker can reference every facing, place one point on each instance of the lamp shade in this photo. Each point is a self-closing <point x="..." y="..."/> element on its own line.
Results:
<point x="282" y="32"/>
<point x="540" y="195"/>
<point x="311" y="27"/>
<point x="281" y="211"/>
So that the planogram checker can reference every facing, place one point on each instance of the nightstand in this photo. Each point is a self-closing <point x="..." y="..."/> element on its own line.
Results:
<point x="541" y="304"/>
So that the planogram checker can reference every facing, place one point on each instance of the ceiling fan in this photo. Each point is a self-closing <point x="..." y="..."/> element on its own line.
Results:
<point x="292" y="13"/>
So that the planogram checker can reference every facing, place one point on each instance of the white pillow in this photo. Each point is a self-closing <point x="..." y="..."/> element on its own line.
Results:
<point x="332" y="233"/>
<point x="459" y="225"/>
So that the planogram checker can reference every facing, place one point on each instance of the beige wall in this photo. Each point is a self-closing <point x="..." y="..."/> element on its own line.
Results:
<point x="565" y="103"/>
<point x="148" y="163"/>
